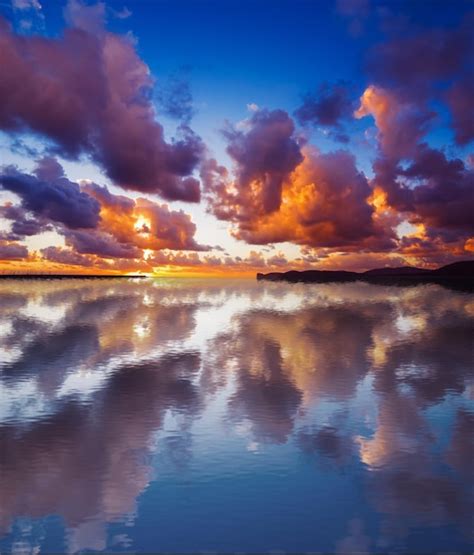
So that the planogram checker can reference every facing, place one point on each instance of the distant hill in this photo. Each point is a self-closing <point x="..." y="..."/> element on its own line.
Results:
<point x="458" y="271"/>
<point x="401" y="271"/>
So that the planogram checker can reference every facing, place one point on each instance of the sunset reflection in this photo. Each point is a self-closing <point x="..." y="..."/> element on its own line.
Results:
<point x="122" y="399"/>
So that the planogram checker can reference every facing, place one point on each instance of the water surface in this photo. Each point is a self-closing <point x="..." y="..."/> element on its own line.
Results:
<point x="183" y="416"/>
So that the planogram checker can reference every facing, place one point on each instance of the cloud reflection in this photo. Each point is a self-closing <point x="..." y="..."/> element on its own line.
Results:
<point x="354" y="377"/>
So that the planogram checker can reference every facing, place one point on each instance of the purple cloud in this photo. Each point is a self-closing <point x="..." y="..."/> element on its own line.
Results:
<point x="89" y="92"/>
<point x="58" y="200"/>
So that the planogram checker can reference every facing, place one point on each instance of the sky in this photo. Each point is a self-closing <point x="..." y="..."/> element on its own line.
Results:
<point x="193" y="137"/>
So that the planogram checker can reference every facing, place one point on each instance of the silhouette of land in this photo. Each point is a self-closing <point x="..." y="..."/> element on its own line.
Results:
<point x="69" y="276"/>
<point x="459" y="275"/>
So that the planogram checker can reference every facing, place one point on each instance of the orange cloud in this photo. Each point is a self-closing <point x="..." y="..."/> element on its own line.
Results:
<point x="325" y="202"/>
<point x="143" y="223"/>
<point x="400" y="123"/>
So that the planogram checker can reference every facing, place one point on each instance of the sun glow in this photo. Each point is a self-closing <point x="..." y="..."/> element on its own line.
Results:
<point x="142" y="224"/>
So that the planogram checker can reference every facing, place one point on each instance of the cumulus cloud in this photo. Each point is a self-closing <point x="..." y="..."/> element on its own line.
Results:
<point x="400" y="123"/>
<point x="432" y="65"/>
<point x="412" y="76"/>
<point x="21" y="223"/>
<point x="443" y="197"/>
<point x="92" y="220"/>
<point x="327" y="107"/>
<point x="324" y="202"/>
<point x="461" y="102"/>
<point x="124" y="13"/>
<point x="57" y="199"/>
<point x="100" y="243"/>
<point x="418" y="180"/>
<point x="265" y="151"/>
<point x="143" y="223"/>
<point x="88" y="92"/>
<point x="65" y="256"/>
<point x="12" y="251"/>
<point x="415" y="61"/>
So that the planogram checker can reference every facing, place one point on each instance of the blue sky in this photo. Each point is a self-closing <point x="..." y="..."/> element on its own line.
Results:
<point x="233" y="56"/>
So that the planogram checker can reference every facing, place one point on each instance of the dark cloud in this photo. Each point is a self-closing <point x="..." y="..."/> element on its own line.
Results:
<point x="65" y="256"/>
<point x="89" y="92"/>
<point x="434" y="190"/>
<point x="265" y="151"/>
<point x="461" y="102"/>
<point x="58" y="200"/>
<point x="432" y="65"/>
<point x="92" y="219"/>
<point x="415" y="62"/>
<point x="48" y="169"/>
<point x="23" y="225"/>
<point x="412" y="74"/>
<point x="327" y="107"/>
<point x="100" y="243"/>
<point x="12" y="251"/>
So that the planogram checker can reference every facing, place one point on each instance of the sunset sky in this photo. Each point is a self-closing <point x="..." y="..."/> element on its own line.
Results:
<point x="191" y="137"/>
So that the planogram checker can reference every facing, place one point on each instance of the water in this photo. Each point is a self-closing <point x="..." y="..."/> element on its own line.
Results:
<point x="184" y="416"/>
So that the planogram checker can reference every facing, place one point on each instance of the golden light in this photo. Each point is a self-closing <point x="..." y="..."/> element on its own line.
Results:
<point x="142" y="224"/>
<point x="378" y="199"/>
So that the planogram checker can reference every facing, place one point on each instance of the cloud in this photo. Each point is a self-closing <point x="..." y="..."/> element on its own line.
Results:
<point x="356" y="12"/>
<point x="327" y="107"/>
<point x="58" y="199"/>
<point x="100" y="243"/>
<point x="89" y="18"/>
<point x="12" y="251"/>
<point x="400" y="123"/>
<point x="265" y="152"/>
<point x="419" y="181"/>
<point x="65" y="256"/>
<point x="461" y="102"/>
<point x="432" y="190"/>
<point x="175" y="98"/>
<point x="143" y="223"/>
<point x="99" y="104"/>
<point x="324" y="202"/>
<point x="92" y="220"/>
<point x="414" y="62"/>
<point x="28" y="14"/>
<point x="21" y="223"/>
<point x="26" y="5"/>
<point x="428" y="67"/>
<point x="124" y="13"/>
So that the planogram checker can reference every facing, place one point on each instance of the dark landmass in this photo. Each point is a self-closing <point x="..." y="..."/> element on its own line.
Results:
<point x="69" y="276"/>
<point x="459" y="275"/>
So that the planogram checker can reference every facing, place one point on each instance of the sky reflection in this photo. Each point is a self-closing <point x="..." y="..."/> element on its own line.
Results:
<point x="186" y="415"/>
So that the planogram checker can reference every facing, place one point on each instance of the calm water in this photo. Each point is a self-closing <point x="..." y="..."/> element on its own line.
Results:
<point x="158" y="415"/>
